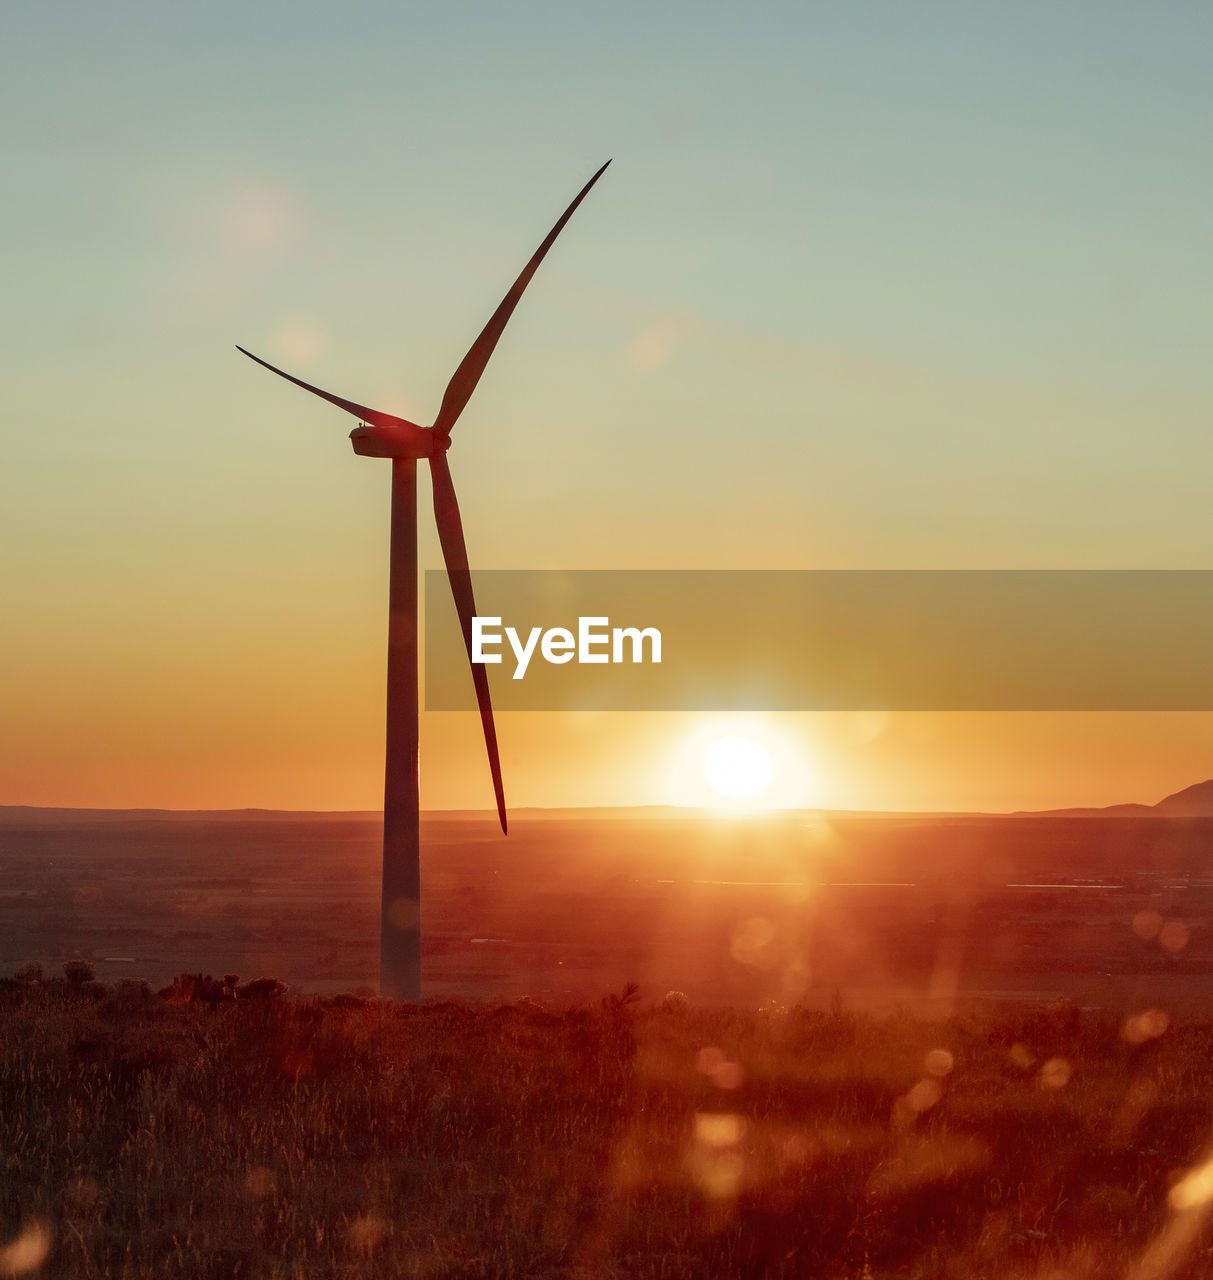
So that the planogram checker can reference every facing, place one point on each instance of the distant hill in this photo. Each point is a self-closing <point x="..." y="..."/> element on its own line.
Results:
<point x="1192" y="802"/>
<point x="1129" y="810"/>
<point x="1195" y="801"/>
<point x="26" y="815"/>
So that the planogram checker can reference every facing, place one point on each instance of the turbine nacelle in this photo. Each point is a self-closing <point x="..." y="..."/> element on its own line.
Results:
<point x="404" y="441"/>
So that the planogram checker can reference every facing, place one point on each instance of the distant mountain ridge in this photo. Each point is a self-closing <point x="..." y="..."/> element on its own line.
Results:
<point x="1195" y="801"/>
<point x="24" y="815"/>
<point x="35" y="815"/>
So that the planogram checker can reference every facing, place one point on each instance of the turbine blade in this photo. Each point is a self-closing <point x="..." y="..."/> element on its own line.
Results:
<point x="461" y="386"/>
<point x="454" y="552"/>
<point x="373" y="416"/>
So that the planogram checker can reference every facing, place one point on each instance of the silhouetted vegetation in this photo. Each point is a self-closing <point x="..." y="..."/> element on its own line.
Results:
<point x="197" y="1133"/>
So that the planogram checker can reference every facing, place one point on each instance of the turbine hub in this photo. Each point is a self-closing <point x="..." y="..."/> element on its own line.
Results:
<point x="396" y="442"/>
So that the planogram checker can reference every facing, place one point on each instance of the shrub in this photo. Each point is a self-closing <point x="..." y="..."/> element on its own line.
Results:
<point x="261" y="989"/>
<point x="196" y="988"/>
<point x="133" y="990"/>
<point x="79" y="971"/>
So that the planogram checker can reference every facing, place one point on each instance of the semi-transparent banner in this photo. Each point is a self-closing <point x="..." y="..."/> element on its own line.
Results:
<point x="828" y="640"/>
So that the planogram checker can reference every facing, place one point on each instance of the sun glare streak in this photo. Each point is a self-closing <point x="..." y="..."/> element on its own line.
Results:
<point x="1195" y="1189"/>
<point x="1190" y="1199"/>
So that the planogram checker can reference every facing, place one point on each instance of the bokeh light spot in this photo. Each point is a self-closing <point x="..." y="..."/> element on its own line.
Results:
<point x="1148" y="1025"/>
<point x="654" y="345"/>
<point x="1173" y="936"/>
<point x="365" y="1232"/>
<point x="259" y="1182"/>
<point x="1055" y="1074"/>
<point x="1195" y="1189"/>
<point x="939" y="1062"/>
<point x="719" y="1128"/>
<point x="27" y="1252"/>
<point x="708" y="1059"/>
<point x="1146" y="925"/>
<point x="1022" y="1057"/>
<point x="923" y="1095"/>
<point x="302" y="341"/>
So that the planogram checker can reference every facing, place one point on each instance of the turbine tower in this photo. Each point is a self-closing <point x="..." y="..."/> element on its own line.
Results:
<point x="382" y="435"/>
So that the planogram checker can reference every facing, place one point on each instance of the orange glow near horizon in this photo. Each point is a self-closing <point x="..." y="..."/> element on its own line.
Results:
<point x="283" y="743"/>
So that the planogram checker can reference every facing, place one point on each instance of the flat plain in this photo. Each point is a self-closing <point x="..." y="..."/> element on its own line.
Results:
<point x="928" y="914"/>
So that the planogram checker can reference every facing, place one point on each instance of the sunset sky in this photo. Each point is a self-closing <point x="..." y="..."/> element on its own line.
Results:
<point x="866" y="286"/>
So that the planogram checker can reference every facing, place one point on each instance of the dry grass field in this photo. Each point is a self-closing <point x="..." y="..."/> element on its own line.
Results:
<point x="152" y="1137"/>
<point x="856" y="1049"/>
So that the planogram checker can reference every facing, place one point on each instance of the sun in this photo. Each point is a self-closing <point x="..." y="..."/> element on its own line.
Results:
<point x="742" y="763"/>
<point x="738" y="768"/>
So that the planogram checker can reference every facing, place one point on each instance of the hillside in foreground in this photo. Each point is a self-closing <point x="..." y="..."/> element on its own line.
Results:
<point x="218" y="1138"/>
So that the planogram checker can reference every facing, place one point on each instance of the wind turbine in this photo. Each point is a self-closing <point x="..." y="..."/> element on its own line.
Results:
<point x="382" y="435"/>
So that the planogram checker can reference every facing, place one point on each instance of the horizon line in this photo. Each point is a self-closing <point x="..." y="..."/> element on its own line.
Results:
<point x="715" y="811"/>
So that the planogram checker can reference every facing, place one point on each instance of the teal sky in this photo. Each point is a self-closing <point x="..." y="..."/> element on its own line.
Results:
<point x="867" y="285"/>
